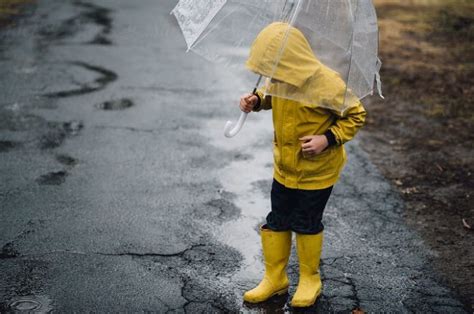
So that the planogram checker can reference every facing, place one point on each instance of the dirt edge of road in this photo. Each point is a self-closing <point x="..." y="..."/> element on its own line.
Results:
<point x="421" y="135"/>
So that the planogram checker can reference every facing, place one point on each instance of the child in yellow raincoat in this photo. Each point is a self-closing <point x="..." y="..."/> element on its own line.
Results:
<point x="308" y="156"/>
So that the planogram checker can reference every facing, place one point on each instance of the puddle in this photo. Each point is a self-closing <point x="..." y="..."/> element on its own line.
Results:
<point x="119" y="104"/>
<point x="243" y="178"/>
<point x="276" y="304"/>
<point x="30" y="304"/>
<point x="52" y="178"/>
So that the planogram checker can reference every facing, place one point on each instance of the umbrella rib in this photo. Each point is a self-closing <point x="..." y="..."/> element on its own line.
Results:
<point x="352" y="45"/>
<point x="291" y="23"/>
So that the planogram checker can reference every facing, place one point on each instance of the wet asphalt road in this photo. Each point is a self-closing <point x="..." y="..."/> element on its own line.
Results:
<point x="119" y="192"/>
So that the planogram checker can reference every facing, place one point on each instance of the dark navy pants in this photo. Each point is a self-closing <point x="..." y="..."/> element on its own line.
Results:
<point x="298" y="210"/>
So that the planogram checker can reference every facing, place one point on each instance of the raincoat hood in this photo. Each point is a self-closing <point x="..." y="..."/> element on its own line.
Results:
<point x="282" y="43"/>
<point x="282" y="53"/>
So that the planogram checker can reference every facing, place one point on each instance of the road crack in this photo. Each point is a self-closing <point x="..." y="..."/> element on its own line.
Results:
<point x="133" y="254"/>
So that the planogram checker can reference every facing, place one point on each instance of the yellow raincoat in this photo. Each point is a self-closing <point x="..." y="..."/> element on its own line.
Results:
<point x="302" y="76"/>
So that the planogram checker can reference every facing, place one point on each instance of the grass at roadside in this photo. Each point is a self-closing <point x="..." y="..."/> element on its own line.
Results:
<point x="429" y="52"/>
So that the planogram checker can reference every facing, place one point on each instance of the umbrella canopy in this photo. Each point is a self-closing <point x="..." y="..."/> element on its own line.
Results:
<point x="331" y="45"/>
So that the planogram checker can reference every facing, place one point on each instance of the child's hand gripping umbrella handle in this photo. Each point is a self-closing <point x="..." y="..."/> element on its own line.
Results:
<point x="230" y="130"/>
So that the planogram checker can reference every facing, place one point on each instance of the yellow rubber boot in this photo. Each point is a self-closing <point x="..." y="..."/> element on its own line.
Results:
<point x="276" y="247"/>
<point x="309" y="248"/>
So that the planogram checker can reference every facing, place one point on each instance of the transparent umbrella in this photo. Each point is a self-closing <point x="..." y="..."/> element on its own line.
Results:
<point x="341" y="35"/>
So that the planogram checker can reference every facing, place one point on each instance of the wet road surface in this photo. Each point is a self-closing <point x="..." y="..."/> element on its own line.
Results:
<point x="119" y="192"/>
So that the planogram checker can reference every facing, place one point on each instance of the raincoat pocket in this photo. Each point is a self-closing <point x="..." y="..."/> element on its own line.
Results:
<point x="317" y="165"/>
<point x="317" y="156"/>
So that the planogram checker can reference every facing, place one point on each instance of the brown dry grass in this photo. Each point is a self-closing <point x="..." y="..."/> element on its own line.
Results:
<point x="429" y="52"/>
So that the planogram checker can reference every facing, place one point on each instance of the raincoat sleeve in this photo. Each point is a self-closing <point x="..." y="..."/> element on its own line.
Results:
<point x="346" y="125"/>
<point x="265" y="102"/>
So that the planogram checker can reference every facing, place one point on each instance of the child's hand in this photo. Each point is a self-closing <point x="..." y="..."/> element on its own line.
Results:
<point x="313" y="144"/>
<point x="247" y="102"/>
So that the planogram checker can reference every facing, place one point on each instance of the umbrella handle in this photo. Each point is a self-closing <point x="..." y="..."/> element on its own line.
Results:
<point x="231" y="129"/>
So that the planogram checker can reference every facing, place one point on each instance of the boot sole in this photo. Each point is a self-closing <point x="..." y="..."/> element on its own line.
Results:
<point x="302" y="305"/>
<point x="279" y="293"/>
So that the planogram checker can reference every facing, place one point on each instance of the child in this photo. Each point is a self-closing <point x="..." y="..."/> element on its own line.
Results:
<point x="308" y="156"/>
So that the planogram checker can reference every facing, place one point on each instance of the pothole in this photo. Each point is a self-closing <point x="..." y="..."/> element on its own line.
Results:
<point x="119" y="104"/>
<point x="52" y="178"/>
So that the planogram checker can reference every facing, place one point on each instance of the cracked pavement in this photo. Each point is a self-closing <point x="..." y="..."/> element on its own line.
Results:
<point x="120" y="193"/>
